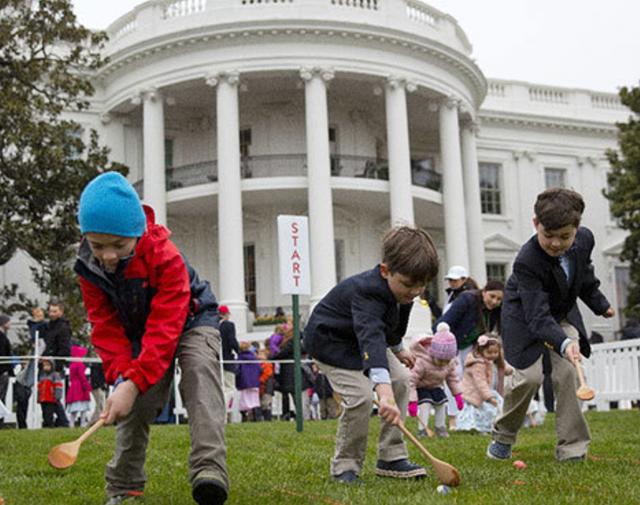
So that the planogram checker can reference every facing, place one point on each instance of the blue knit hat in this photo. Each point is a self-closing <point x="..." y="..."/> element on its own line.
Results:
<point x="110" y="205"/>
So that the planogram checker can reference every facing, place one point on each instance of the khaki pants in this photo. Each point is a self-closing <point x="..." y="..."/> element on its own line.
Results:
<point x="571" y="426"/>
<point x="353" y="427"/>
<point x="229" y="387"/>
<point x="201" y="389"/>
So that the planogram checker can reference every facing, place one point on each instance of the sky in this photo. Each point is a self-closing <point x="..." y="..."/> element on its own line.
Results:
<point x="589" y="44"/>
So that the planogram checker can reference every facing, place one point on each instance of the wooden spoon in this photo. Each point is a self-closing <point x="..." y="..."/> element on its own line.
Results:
<point x="446" y="473"/>
<point x="64" y="455"/>
<point x="584" y="392"/>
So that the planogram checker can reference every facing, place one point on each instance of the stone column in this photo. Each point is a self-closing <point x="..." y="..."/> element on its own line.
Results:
<point x="230" y="233"/>
<point x="453" y="203"/>
<point x="477" y="263"/>
<point x="321" y="240"/>
<point x="401" y="200"/>
<point x="154" y="185"/>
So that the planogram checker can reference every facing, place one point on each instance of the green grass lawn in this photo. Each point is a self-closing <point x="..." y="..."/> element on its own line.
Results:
<point x="270" y="463"/>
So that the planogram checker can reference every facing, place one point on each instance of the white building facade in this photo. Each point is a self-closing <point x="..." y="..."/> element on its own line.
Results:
<point x="359" y="114"/>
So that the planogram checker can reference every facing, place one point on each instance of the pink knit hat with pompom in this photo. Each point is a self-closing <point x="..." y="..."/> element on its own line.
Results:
<point x="443" y="344"/>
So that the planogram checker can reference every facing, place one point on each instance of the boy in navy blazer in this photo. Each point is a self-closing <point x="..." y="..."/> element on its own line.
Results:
<point x="540" y="315"/>
<point x="355" y="335"/>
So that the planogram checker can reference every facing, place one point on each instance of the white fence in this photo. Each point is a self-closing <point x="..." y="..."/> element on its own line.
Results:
<point x="613" y="371"/>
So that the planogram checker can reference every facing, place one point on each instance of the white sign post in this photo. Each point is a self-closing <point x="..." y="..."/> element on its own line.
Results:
<point x="293" y="250"/>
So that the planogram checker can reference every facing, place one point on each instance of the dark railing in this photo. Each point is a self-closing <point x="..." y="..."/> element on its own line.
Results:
<point x="295" y="165"/>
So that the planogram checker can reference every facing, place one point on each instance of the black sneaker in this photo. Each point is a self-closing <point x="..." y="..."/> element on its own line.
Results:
<point x="498" y="450"/>
<point x="209" y="492"/>
<point x="348" y="477"/>
<point x="400" y="469"/>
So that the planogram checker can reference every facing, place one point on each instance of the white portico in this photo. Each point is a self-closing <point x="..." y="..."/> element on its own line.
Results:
<point x="322" y="106"/>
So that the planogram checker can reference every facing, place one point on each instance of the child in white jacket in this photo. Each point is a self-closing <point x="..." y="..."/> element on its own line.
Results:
<point x="435" y="363"/>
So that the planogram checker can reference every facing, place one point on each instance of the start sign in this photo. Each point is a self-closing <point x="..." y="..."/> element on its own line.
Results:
<point x="293" y="248"/>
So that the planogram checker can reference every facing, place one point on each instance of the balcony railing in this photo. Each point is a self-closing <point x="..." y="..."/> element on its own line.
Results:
<point x="295" y="165"/>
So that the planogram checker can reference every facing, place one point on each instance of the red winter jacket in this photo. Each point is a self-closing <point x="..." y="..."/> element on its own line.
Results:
<point x="139" y="313"/>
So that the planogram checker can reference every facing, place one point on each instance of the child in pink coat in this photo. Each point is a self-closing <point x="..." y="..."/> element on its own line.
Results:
<point x="79" y="392"/>
<point x="435" y="363"/>
<point x="482" y="403"/>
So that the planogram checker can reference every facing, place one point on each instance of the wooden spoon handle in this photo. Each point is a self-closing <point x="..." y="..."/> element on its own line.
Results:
<point x="578" y="366"/>
<point x="90" y="431"/>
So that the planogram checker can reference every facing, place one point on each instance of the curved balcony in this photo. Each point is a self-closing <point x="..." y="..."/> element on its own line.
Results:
<point x="158" y="18"/>
<point x="295" y="165"/>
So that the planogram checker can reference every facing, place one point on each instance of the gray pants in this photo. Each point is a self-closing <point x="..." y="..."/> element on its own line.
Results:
<point x="201" y="389"/>
<point x="353" y="427"/>
<point x="571" y="426"/>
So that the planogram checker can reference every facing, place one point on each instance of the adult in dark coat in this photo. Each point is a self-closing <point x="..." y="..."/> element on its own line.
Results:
<point x="57" y="335"/>
<point x="631" y="330"/>
<point x="6" y="369"/>
<point x="286" y="378"/>
<point x="57" y="339"/>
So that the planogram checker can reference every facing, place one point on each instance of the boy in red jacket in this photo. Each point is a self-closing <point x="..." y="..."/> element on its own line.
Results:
<point x="147" y="306"/>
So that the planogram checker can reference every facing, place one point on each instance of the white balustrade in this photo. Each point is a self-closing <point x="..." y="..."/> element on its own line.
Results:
<point x="417" y="11"/>
<point x="548" y="95"/>
<point x="180" y="8"/>
<point x="362" y="4"/>
<point x="606" y="102"/>
<point x="264" y="2"/>
<point x="497" y="89"/>
<point x="126" y="25"/>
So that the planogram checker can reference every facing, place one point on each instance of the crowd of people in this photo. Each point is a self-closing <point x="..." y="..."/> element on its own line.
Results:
<point x="480" y="361"/>
<point x="62" y="386"/>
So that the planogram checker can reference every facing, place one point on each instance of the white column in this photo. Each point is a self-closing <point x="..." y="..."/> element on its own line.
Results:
<point x="455" y="227"/>
<point x="155" y="192"/>
<point x="477" y="266"/>
<point x="401" y="200"/>
<point x="230" y="233"/>
<point x="321" y="241"/>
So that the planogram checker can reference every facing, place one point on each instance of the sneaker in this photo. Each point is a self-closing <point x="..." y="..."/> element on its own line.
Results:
<point x="574" y="459"/>
<point x="207" y="491"/>
<point x="348" y="477"/>
<point x="422" y="433"/>
<point x="400" y="469"/>
<point x="442" y="432"/>
<point x="129" y="496"/>
<point x="498" y="450"/>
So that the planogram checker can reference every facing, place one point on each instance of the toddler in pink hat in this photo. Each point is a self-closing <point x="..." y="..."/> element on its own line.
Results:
<point x="435" y="363"/>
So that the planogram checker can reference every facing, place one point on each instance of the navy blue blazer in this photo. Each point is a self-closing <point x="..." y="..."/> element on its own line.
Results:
<point x="354" y="323"/>
<point x="538" y="296"/>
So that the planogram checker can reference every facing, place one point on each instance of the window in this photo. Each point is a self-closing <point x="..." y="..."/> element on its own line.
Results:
<point x="250" y="276"/>
<point x="339" y="252"/>
<point x="622" y="291"/>
<point x="490" y="192"/>
<point x="333" y="151"/>
<point x="245" y="145"/>
<point x="497" y="272"/>
<point x="554" y="178"/>
<point x="168" y="154"/>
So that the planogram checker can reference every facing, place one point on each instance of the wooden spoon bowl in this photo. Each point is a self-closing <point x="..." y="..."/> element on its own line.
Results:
<point x="65" y="455"/>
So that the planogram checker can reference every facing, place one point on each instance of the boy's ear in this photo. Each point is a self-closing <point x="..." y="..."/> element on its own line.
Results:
<point x="536" y="222"/>
<point x="384" y="270"/>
